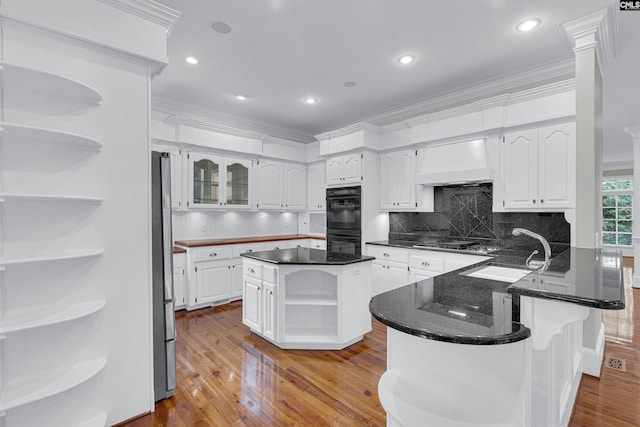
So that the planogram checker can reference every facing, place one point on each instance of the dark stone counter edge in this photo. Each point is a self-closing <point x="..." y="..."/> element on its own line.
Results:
<point x="602" y="304"/>
<point x="520" y="332"/>
<point x="362" y="258"/>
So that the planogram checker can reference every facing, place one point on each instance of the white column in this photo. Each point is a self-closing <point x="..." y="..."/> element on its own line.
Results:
<point x="635" y="137"/>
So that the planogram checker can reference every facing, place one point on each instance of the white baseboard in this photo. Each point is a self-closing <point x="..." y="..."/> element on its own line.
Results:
<point x="592" y="357"/>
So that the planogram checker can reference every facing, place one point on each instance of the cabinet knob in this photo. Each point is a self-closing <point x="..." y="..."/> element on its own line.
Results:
<point x="249" y="250"/>
<point x="541" y="200"/>
<point x="270" y="292"/>
<point x="386" y="254"/>
<point x="212" y="254"/>
<point x="533" y="201"/>
<point x="276" y="248"/>
<point x="426" y="264"/>
<point x="251" y="270"/>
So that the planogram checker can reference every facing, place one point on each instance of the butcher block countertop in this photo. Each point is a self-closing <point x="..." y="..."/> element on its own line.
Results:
<point x="232" y="241"/>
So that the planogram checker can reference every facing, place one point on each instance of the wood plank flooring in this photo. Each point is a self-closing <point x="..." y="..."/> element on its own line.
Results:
<point x="230" y="377"/>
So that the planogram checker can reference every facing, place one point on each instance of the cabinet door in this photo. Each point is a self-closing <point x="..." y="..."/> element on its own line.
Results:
<point x="378" y="277"/>
<point x="316" y="187"/>
<point x="270" y="311"/>
<point x="236" y="279"/>
<point x="179" y="292"/>
<point x="335" y="170"/>
<point x="557" y="166"/>
<point x="352" y="168"/>
<point x="204" y="176"/>
<point x="405" y="179"/>
<point x="271" y="189"/>
<point x="295" y="182"/>
<point x="520" y="151"/>
<point x="213" y="281"/>
<point x="415" y="275"/>
<point x="397" y="275"/>
<point x="237" y="183"/>
<point x="252" y="303"/>
<point x="387" y="181"/>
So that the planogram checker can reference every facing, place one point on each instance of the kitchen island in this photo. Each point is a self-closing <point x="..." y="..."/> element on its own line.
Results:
<point x="304" y="298"/>
<point x="473" y="347"/>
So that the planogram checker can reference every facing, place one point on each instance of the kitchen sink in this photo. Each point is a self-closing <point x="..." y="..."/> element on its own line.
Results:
<point x="494" y="272"/>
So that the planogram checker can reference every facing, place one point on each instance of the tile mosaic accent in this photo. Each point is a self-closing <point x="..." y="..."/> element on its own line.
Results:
<point x="465" y="212"/>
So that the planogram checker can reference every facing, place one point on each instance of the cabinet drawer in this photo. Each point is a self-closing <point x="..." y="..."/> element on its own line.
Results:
<point x="388" y="253"/>
<point x="247" y="247"/>
<point x="426" y="262"/>
<point x="252" y="268"/>
<point x="270" y="273"/>
<point x="211" y="253"/>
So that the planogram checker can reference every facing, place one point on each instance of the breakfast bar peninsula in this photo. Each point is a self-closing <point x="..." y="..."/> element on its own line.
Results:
<point x="303" y="298"/>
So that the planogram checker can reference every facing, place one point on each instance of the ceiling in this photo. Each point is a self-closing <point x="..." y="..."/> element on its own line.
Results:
<point x="280" y="51"/>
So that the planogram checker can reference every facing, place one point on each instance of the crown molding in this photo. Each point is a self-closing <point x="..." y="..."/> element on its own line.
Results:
<point x="475" y="92"/>
<point x="356" y="127"/>
<point x="202" y="114"/>
<point x="595" y="29"/>
<point x="540" y="91"/>
<point x="213" y="127"/>
<point x="150" y="10"/>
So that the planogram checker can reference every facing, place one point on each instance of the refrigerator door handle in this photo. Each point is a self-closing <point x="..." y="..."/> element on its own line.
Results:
<point x="167" y="238"/>
<point x="169" y="321"/>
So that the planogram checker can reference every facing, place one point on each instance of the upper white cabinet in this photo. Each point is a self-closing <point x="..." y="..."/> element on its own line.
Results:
<point x="316" y="186"/>
<point x="282" y="185"/>
<point x="539" y="168"/>
<point x="345" y="169"/>
<point x="397" y="180"/>
<point x="218" y="182"/>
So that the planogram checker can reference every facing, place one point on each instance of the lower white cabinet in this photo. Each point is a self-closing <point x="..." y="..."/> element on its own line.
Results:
<point x="252" y="303"/>
<point x="236" y="279"/>
<point x="390" y="269"/>
<point x="179" y="280"/>
<point x="212" y="282"/>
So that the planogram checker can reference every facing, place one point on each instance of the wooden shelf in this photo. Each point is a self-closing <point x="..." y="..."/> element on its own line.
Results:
<point x="19" y="321"/>
<point x="11" y="131"/>
<point x="98" y="421"/>
<point x="49" y="256"/>
<point x="7" y="197"/>
<point x="47" y="387"/>
<point x="52" y="84"/>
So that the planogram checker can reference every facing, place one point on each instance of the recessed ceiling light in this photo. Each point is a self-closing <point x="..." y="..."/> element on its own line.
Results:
<point x="191" y="60"/>
<point x="221" y="27"/>
<point x="309" y="100"/>
<point x="406" y="59"/>
<point x="349" y="84"/>
<point x="241" y="97"/>
<point x="528" y="24"/>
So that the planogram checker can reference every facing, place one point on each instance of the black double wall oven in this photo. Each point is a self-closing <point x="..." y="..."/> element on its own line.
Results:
<point x="344" y="231"/>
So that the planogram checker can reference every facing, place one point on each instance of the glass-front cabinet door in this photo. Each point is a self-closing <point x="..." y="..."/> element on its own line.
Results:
<point x="219" y="182"/>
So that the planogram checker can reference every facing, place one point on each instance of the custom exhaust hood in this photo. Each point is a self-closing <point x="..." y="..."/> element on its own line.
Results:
<point x="457" y="163"/>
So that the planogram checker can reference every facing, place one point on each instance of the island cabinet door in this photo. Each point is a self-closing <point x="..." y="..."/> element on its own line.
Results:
<point x="252" y="303"/>
<point x="270" y="315"/>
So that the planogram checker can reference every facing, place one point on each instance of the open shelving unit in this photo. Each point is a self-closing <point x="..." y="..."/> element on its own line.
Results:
<point x="30" y="90"/>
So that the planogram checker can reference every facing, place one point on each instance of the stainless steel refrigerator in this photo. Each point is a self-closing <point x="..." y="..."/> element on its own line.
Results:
<point x="164" y="330"/>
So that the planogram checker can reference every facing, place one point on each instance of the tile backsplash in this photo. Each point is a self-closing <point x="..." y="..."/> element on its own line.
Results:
<point x="466" y="212"/>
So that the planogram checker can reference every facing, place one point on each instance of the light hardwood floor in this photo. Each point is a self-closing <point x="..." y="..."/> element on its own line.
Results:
<point x="230" y="377"/>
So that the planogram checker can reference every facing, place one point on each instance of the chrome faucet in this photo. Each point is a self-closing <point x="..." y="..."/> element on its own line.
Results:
<point x="547" y="249"/>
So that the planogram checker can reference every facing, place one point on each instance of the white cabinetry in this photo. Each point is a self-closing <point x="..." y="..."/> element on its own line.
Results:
<point x="539" y="168"/>
<point x="283" y="186"/>
<point x="260" y="304"/>
<point x="316" y="187"/>
<point x="424" y="264"/>
<point x="179" y="280"/>
<point x="397" y="180"/>
<point x="345" y="169"/>
<point x="218" y="182"/>
<point x="390" y="269"/>
<point x="210" y="280"/>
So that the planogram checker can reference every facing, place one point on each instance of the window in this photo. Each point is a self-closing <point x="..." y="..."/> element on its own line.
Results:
<point x="617" y="211"/>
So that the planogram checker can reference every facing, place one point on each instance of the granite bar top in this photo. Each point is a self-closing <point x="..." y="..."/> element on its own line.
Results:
<point x="236" y="240"/>
<point x="306" y="256"/>
<point x="457" y="308"/>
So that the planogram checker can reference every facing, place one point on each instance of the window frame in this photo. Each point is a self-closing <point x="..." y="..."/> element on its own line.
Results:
<point x="616" y="192"/>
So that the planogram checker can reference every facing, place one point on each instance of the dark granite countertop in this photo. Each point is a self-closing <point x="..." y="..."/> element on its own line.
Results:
<point x="306" y="256"/>
<point x="457" y="308"/>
